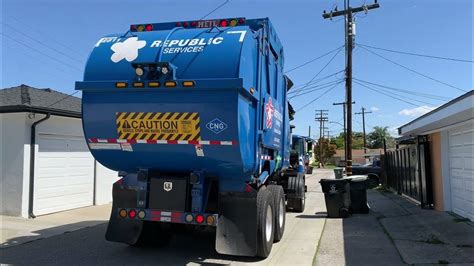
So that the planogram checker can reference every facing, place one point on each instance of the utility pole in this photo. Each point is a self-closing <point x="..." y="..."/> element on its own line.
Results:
<point x="321" y="117"/>
<point x="349" y="33"/>
<point x="309" y="132"/>
<point x="345" y="131"/>
<point x="363" y="112"/>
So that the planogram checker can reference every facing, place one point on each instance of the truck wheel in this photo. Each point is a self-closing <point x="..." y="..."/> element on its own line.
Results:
<point x="265" y="223"/>
<point x="296" y="200"/>
<point x="280" y="210"/>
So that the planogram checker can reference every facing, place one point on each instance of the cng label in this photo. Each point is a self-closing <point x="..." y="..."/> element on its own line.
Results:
<point x="158" y="126"/>
<point x="216" y="125"/>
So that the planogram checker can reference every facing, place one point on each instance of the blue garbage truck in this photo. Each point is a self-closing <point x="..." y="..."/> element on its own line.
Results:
<point x="194" y="116"/>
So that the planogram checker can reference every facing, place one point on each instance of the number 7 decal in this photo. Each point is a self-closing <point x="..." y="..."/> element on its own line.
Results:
<point x="241" y="32"/>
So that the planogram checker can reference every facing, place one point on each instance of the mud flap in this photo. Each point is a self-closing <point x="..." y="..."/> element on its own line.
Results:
<point x="237" y="224"/>
<point x="123" y="230"/>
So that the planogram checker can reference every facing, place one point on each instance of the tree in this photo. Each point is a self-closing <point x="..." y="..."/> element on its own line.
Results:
<point x="323" y="151"/>
<point x="377" y="136"/>
<point x="357" y="141"/>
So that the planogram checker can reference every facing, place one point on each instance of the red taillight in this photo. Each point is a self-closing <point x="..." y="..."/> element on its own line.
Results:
<point x="224" y="23"/>
<point x="132" y="214"/>
<point x="186" y="24"/>
<point x="199" y="219"/>
<point x="149" y="27"/>
<point x="248" y="188"/>
<point x="178" y="24"/>
<point x="194" y="23"/>
<point x="241" y="21"/>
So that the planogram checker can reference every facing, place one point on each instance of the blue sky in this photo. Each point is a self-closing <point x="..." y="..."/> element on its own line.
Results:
<point x="45" y="43"/>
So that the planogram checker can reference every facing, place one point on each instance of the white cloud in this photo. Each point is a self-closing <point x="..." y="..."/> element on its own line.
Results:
<point x="417" y="111"/>
<point x="393" y="131"/>
<point x="374" y="109"/>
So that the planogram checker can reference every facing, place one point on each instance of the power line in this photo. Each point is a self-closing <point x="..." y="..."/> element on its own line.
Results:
<point x="415" y="54"/>
<point x="42" y="43"/>
<point x="322" y="69"/>
<point x="315" y="99"/>
<point x="42" y="60"/>
<point x="62" y="99"/>
<point x="314" y="59"/>
<point x="315" y="81"/>
<point x="50" y="36"/>
<point x="317" y="88"/>
<point x="389" y="95"/>
<point x="411" y="70"/>
<point x="40" y="52"/>
<point x="403" y="96"/>
<point x="215" y="9"/>
<point x="420" y="94"/>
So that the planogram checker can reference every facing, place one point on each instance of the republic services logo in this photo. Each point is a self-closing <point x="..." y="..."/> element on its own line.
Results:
<point x="270" y="110"/>
<point x="127" y="49"/>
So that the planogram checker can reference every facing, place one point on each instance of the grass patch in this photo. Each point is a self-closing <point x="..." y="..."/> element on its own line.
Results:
<point x="433" y="240"/>
<point x="460" y="219"/>
<point x="464" y="246"/>
<point x="383" y="189"/>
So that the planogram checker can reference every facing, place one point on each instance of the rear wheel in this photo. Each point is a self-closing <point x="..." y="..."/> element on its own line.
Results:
<point x="265" y="223"/>
<point x="280" y="210"/>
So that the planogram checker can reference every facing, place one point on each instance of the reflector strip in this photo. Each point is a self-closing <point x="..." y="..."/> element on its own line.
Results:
<point x="177" y="142"/>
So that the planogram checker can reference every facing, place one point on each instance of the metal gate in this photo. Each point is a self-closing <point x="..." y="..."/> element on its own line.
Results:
<point x="408" y="171"/>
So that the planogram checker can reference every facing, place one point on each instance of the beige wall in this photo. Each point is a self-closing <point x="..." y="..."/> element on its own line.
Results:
<point x="436" y="170"/>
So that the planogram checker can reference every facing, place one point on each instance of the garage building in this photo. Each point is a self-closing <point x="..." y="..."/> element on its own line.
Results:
<point x="58" y="172"/>
<point x="450" y="131"/>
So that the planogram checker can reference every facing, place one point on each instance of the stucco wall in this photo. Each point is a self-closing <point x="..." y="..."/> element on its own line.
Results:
<point x="12" y="137"/>
<point x="437" y="171"/>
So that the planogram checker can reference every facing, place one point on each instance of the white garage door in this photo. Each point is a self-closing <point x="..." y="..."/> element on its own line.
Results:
<point x="64" y="177"/>
<point x="461" y="150"/>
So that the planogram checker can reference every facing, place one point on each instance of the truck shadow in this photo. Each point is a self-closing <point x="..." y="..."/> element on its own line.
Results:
<point x="88" y="246"/>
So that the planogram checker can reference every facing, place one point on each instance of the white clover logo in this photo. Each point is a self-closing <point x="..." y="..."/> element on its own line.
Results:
<point x="127" y="49"/>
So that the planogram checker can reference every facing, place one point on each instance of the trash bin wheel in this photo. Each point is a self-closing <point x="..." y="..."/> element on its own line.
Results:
<point x="364" y="209"/>
<point x="280" y="210"/>
<point x="265" y="223"/>
<point x="344" y="212"/>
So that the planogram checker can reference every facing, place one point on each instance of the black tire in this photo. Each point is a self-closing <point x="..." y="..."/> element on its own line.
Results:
<point x="296" y="195"/>
<point x="280" y="210"/>
<point x="364" y="209"/>
<point x="154" y="234"/>
<point x="344" y="213"/>
<point x="264" y="209"/>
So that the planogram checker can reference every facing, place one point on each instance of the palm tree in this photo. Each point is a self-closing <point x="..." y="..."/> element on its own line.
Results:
<point x="377" y="136"/>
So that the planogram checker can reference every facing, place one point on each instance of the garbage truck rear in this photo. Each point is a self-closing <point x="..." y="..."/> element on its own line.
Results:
<point x="194" y="116"/>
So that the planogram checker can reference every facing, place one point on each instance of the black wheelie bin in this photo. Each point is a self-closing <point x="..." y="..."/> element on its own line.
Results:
<point x="358" y="188"/>
<point x="337" y="197"/>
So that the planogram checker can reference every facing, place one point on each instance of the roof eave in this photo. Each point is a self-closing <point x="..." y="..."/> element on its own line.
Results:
<point x="22" y="108"/>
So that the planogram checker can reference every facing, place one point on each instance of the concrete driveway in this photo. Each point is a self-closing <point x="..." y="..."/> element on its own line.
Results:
<point x="88" y="246"/>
